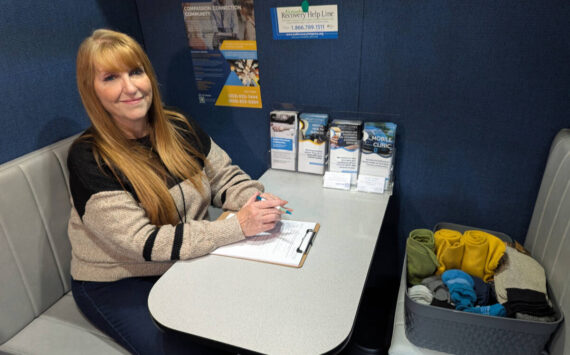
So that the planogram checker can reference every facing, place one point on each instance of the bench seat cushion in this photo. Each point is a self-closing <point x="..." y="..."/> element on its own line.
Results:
<point x="61" y="329"/>
<point x="37" y="312"/>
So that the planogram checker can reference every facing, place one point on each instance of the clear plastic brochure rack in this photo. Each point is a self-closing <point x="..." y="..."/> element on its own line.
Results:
<point x="351" y="150"/>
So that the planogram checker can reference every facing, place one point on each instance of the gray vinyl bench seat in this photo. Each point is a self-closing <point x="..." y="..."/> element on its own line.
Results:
<point x="37" y="312"/>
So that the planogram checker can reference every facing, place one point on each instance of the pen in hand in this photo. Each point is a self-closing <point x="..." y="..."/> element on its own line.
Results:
<point x="284" y="210"/>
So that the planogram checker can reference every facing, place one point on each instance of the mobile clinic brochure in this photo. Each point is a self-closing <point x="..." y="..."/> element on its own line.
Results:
<point x="221" y="36"/>
<point x="295" y="23"/>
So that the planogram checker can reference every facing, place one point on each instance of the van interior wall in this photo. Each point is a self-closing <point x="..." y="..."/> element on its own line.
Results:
<point x="38" y="94"/>
<point x="479" y="89"/>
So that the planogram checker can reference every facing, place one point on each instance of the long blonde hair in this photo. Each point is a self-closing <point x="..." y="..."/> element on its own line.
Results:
<point x="114" y="52"/>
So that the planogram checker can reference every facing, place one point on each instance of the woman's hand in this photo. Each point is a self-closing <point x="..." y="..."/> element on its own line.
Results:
<point x="260" y="216"/>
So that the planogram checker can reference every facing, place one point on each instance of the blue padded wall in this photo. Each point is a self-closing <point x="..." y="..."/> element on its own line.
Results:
<point x="479" y="90"/>
<point x="38" y="95"/>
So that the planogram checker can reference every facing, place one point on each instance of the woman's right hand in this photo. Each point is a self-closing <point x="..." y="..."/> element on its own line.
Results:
<point x="259" y="216"/>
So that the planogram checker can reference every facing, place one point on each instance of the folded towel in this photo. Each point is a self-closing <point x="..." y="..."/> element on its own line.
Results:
<point x="422" y="262"/>
<point x="482" y="253"/>
<point x="518" y="271"/>
<point x="519" y="247"/>
<point x="450" y="248"/>
<point x="449" y="235"/>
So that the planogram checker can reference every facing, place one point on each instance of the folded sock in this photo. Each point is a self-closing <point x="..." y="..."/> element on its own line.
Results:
<point x="528" y="302"/>
<point x="420" y="294"/>
<point x="460" y="285"/>
<point x="533" y="318"/>
<point x="437" y="288"/>
<point x="422" y="262"/>
<point x="484" y="291"/>
<point x="442" y="304"/>
<point x="496" y="310"/>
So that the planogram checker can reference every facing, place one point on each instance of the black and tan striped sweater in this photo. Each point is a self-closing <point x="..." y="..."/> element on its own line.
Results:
<point x="111" y="235"/>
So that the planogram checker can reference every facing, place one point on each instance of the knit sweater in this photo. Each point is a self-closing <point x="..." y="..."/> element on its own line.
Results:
<point x="111" y="235"/>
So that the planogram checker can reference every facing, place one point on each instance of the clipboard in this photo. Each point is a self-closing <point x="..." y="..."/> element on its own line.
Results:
<point x="313" y="233"/>
<point x="288" y="244"/>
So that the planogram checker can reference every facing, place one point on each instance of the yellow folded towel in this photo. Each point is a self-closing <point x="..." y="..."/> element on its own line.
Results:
<point x="482" y="253"/>
<point x="497" y="249"/>
<point x="450" y="248"/>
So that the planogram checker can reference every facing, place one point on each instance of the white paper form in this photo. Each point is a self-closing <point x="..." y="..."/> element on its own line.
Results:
<point x="278" y="245"/>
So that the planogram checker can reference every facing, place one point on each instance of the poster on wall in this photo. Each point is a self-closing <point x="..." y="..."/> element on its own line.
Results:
<point x="221" y="36"/>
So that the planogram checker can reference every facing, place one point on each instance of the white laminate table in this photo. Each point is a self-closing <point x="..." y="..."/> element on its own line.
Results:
<point x="276" y="309"/>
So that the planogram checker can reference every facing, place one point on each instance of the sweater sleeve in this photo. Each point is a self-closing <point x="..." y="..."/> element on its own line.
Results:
<point x="231" y="186"/>
<point x="118" y="221"/>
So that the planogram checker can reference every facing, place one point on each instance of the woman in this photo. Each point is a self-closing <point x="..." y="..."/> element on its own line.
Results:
<point x="141" y="179"/>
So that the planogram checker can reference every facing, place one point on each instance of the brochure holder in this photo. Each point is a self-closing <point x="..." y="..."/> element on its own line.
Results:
<point x="352" y="150"/>
<point x="298" y="138"/>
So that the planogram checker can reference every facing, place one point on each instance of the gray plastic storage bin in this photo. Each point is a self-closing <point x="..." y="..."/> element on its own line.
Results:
<point x="458" y="332"/>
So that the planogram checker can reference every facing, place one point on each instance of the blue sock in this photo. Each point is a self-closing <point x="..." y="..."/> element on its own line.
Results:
<point x="460" y="285"/>
<point x="494" y="310"/>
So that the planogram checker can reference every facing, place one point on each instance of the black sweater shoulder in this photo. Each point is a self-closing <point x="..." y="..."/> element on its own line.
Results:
<point x="200" y="139"/>
<point x="86" y="176"/>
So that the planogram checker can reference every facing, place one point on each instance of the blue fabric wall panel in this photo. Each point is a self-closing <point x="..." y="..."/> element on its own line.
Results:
<point x="316" y="72"/>
<point x="37" y="67"/>
<point x="481" y="89"/>
<point x="313" y="72"/>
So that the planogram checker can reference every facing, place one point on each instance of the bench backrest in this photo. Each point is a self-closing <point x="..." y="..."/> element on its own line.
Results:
<point x="548" y="237"/>
<point x="34" y="249"/>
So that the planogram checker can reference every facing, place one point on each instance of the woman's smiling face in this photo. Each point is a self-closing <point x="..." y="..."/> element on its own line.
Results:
<point x="126" y="95"/>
